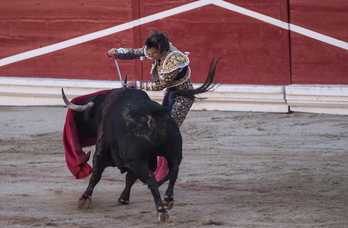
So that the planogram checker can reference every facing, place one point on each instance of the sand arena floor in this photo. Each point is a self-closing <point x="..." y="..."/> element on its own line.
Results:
<point x="240" y="169"/>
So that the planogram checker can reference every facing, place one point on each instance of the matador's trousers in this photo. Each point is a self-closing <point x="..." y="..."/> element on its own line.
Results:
<point x="179" y="112"/>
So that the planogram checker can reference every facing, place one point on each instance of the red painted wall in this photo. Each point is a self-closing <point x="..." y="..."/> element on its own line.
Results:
<point x="253" y="51"/>
<point x="314" y="62"/>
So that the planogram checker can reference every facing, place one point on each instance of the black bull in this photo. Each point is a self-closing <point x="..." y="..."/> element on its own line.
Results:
<point x="132" y="130"/>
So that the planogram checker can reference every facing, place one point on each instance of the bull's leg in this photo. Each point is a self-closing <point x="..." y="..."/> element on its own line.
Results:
<point x="161" y="211"/>
<point x="130" y="180"/>
<point x="173" y="175"/>
<point x="98" y="168"/>
<point x="145" y="175"/>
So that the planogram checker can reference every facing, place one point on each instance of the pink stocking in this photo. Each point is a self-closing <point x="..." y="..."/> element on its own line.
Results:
<point x="162" y="168"/>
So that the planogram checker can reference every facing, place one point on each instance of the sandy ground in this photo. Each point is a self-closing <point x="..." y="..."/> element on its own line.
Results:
<point x="240" y="169"/>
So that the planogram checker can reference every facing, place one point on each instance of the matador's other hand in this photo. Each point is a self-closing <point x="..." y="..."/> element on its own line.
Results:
<point x="131" y="84"/>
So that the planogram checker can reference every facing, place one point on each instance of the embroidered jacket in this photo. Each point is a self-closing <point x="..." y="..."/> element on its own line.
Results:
<point x="171" y="71"/>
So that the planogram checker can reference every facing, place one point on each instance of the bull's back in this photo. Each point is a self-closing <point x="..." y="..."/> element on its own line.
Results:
<point x="135" y="121"/>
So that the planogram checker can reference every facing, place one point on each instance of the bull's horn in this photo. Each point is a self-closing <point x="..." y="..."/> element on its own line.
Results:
<point x="78" y="108"/>
<point x="125" y="81"/>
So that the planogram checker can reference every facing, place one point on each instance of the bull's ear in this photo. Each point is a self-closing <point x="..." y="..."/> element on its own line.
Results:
<point x="125" y="80"/>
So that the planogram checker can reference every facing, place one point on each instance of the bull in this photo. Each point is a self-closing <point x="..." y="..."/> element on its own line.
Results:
<point x="132" y="130"/>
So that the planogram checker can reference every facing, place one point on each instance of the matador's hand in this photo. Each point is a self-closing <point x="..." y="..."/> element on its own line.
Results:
<point x="112" y="53"/>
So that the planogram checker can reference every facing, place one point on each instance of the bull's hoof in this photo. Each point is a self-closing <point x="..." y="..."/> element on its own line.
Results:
<point x="168" y="204"/>
<point x="163" y="217"/>
<point x="123" y="202"/>
<point x="84" y="203"/>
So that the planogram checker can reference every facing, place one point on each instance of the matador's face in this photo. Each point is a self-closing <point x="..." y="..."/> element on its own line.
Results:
<point x="155" y="54"/>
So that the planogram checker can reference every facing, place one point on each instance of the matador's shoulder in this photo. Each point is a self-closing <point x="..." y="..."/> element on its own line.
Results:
<point x="174" y="60"/>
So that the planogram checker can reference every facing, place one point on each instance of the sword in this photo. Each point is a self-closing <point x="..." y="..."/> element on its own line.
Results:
<point x="119" y="73"/>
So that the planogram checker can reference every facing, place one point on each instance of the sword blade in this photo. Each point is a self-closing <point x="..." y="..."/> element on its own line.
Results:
<point x="119" y="72"/>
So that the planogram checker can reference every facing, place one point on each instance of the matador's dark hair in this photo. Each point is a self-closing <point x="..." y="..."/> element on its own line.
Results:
<point x="158" y="40"/>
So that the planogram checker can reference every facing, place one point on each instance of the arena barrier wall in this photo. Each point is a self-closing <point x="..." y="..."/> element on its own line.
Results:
<point x="276" y="54"/>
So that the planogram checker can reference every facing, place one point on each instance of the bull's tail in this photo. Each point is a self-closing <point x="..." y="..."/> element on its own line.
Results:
<point x="207" y="85"/>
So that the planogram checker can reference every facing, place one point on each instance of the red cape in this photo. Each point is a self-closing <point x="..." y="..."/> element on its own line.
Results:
<point x="73" y="141"/>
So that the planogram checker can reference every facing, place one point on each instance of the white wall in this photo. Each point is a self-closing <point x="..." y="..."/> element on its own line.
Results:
<point x="331" y="99"/>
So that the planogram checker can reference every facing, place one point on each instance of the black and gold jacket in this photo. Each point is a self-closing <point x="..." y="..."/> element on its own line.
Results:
<point x="171" y="71"/>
